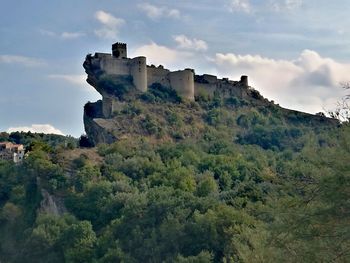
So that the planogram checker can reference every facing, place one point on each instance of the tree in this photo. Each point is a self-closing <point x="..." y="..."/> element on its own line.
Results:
<point x="342" y="110"/>
<point x="314" y="226"/>
<point x="78" y="242"/>
<point x="207" y="185"/>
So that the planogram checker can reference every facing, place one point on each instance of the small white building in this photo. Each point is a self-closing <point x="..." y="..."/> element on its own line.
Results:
<point x="11" y="152"/>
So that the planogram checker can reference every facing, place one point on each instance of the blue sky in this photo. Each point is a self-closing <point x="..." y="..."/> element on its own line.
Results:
<point x="295" y="52"/>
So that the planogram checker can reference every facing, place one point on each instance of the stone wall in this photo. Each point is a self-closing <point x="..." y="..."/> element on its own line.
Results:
<point x="107" y="106"/>
<point x="183" y="82"/>
<point x="110" y="105"/>
<point x="138" y="70"/>
<point x="158" y="75"/>
<point x="115" y="66"/>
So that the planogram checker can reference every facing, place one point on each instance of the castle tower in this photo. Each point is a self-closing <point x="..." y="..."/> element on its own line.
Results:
<point x="138" y="71"/>
<point x="244" y="80"/>
<point x="183" y="82"/>
<point x="119" y="50"/>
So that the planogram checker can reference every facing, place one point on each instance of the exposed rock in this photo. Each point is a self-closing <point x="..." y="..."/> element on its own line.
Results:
<point x="51" y="204"/>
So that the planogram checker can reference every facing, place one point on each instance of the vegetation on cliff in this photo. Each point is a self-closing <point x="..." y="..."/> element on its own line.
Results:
<point x="218" y="180"/>
<point x="162" y="115"/>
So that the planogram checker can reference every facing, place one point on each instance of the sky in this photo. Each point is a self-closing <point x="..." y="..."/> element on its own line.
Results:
<point x="295" y="52"/>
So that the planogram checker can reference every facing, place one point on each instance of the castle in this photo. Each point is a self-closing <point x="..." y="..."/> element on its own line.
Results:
<point x="187" y="85"/>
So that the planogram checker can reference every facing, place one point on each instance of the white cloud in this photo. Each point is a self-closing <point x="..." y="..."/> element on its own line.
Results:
<point x="240" y="6"/>
<point x="21" y="60"/>
<point x="308" y="83"/>
<point x="63" y="35"/>
<point x="110" y="25"/>
<point x="74" y="79"/>
<point x="157" y="12"/>
<point x="49" y="33"/>
<point x="248" y="7"/>
<point x="187" y="43"/>
<point x="341" y="31"/>
<point x="293" y="4"/>
<point x="72" y="35"/>
<point x="77" y="80"/>
<point x="157" y="54"/>
<point x="280" y="5"/>
<point x="36" y="128"/>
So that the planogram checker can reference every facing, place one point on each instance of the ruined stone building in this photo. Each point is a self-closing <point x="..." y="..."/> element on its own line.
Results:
<point x="117" y="65"/>
<point x="120" y="80"/>
<point x="11" y="152"/>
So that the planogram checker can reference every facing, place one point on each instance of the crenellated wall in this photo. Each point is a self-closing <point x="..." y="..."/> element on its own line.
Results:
<point x="158" y="75"/>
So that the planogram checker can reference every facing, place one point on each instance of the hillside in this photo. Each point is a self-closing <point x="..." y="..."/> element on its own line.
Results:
<point x="164" y="120"/>
<point x="221" y="177"/>
<point x="212" y="182"/>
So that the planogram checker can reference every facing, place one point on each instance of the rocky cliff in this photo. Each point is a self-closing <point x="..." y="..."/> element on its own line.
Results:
<point x="160" y="112"/>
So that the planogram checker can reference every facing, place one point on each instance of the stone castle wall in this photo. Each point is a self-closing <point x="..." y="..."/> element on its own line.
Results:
<point x="160" y="75"/>
<point x="138" y="70"/>
<point x="111" y="65"/>
<point x="143" y="76"/>
<point x="184" y="82"/>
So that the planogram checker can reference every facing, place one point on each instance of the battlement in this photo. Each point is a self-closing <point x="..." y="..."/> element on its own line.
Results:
<point x="120" y="44"/>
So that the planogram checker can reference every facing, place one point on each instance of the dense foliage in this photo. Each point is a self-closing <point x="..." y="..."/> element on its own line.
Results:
<point x="159" y="93"/>
<point x="251" y="187"/>
<point x="28" y="139"/>
<point x="117" y="87"/>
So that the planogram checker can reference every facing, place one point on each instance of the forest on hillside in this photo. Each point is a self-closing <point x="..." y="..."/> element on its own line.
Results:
<point x="252" y="186"/>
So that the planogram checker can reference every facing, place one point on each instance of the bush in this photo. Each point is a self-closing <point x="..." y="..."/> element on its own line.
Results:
<point x="132" y="110"/>
<point x="115" y="86"/>
<point x="159" y="93"/>
<point x="232" y="101"/>
<point x="148" y="97"/>
<point x="84" y="141"/>
<point x="277" y="138"/>
<point x="151" y="126"/>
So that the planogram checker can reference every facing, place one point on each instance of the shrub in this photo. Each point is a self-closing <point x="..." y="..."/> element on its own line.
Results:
<point x="232" y="101"/>
<point x="159" y="93"/>
<point x="148" y="97"/>
<point x="151" y="126"/>
<point x="115" y="86"/>
<point x="84" y="141"/>
<point x="132" y="110"/>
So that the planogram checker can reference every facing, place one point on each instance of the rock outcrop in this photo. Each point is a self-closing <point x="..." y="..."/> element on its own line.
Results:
<point x="51" y="204"/>
<point x="122" y="82"/>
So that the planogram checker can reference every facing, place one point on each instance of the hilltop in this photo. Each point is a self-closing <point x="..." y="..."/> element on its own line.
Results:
<point x="142" y="100"/>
